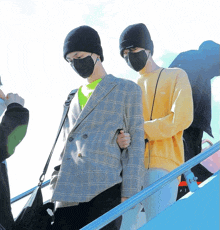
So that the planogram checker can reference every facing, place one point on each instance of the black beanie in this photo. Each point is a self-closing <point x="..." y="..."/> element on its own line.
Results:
<point x="83" y="38"/>
<point x="136" y="35"/>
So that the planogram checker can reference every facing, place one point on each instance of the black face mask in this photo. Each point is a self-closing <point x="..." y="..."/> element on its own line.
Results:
<point x="84" y="67"/>
<point x="137" y="61"/>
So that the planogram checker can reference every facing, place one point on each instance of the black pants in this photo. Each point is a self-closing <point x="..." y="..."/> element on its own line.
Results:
<point x="6" y="218"/>
<point x="193" y="141"/>
<point x="76" y="217"/>
<point x="192" y="147"/>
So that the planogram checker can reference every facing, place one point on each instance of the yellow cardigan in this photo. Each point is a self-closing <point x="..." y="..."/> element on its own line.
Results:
<point x="172" y="113"/>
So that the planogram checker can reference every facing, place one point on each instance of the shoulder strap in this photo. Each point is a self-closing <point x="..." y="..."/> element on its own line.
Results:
<point x="155" y="94"/>
<point x="70" y="97"/>
<point x="65" y="112"/>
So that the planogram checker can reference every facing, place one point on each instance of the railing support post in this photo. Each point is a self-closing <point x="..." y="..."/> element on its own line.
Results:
<point x="191" y="180"/>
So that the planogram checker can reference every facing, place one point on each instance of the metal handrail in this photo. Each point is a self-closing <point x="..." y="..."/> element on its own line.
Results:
<point x="137" y="198"/>
<point x="19" y="197"/>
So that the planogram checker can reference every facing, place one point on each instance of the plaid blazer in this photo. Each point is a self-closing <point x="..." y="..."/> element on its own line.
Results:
<point x="91" y="160"/>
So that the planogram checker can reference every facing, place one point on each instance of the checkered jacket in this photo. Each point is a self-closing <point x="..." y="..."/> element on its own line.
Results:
<point x="92" y="161"/>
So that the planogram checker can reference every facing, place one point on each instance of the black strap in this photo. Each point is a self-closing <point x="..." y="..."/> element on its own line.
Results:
<point x="65" y="112"/>
<point x="146" y="140"/>
<point x="155" y="94"/>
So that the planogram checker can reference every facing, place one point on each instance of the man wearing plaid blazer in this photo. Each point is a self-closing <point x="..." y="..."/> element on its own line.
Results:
<point x="95" y="176"/>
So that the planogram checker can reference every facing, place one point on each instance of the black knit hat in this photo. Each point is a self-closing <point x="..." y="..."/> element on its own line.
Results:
<point x="83" y="38"/>
<point x="136" y="35"/>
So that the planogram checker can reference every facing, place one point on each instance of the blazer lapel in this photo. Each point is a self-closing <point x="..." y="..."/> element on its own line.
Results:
<point x="101" y="91"/>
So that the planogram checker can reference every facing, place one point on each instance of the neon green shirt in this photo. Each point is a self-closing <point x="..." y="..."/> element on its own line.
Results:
<point x="86" y="91"/>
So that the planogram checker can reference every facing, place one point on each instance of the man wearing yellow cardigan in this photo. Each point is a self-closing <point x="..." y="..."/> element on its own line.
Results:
<point x="167" y="110"/>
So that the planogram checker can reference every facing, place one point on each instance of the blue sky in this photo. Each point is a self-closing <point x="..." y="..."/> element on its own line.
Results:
<point x="32" y="34"/>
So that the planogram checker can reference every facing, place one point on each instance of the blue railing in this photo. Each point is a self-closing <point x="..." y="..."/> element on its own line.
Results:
<point x="131" y="202"/>
<point x="19" y="197"/>
<point x="134" y="200"/>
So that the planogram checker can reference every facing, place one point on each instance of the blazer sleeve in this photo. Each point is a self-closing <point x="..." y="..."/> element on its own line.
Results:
<point x="133" y="156"/>
<point x="180" y="116"/>
<point x="12" y="129"/>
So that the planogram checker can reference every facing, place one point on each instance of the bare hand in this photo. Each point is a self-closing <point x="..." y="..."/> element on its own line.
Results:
<point x="123" y="199"/>
<point x="13" y="98"/>
<point x="123" y="139"/>
<point x="2" y="95"/>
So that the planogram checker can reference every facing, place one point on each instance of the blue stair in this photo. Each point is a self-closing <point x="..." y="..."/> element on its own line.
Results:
<point x="198" y="210"/>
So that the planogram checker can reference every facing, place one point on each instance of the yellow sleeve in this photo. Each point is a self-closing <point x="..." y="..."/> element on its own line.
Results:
<point x="181" y="114"/>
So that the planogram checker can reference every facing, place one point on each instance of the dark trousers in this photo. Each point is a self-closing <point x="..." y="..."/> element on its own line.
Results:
<point x="192" y="147"/>
<point x="76" y="217"/>
<point x="6" y="218"/>
<point x="193" y="141"/>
